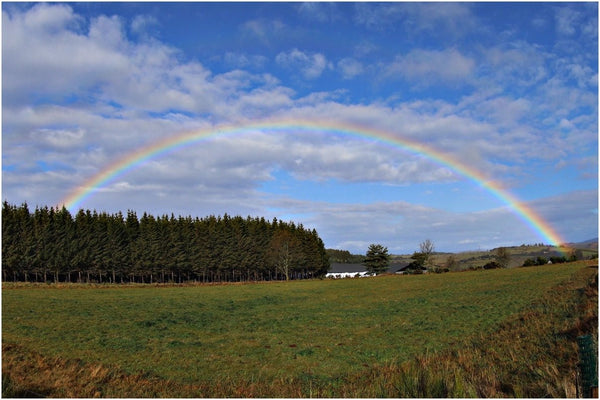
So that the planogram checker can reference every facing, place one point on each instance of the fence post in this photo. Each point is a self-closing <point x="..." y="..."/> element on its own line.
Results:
<point x="588" y="365"/>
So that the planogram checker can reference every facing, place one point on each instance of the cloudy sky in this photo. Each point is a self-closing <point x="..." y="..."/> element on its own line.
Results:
<point x="510" y="90"/>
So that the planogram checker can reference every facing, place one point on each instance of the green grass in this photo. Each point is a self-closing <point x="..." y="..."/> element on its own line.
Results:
<point x="312" y="332"/>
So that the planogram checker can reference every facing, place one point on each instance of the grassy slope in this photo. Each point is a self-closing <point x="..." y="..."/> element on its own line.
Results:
<point x="518" y="255"/>
<point x="313" y="337"/>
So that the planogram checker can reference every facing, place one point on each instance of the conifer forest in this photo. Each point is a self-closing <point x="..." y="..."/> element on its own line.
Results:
<point x="52" y="245"/>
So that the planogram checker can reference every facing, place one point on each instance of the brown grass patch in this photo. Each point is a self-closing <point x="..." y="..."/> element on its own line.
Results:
<point x="533" y="354"/>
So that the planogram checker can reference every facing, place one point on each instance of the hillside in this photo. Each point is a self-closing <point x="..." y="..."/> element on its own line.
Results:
<point x="477" y="258"/>
<point x="591" y="244"/>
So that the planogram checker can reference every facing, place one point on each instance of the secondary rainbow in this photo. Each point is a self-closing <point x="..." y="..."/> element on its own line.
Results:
<point x="129" y="162"/>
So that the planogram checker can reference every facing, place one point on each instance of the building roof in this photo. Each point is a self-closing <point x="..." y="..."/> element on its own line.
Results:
<point x="339" y="267"/>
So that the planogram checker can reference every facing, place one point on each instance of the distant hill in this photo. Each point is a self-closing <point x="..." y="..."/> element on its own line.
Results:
<point x="591" y="244"/>
<point x="343" y="261"/>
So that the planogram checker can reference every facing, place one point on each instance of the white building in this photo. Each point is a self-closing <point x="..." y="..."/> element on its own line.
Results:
<point x="341" y="275"/>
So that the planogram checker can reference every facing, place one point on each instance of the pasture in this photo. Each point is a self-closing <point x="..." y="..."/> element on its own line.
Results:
<point x="298" y="338"/>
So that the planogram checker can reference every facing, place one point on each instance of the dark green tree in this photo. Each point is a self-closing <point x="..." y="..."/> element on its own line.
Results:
<point x="377" y="259"/>
<point x="50" y="244"/>
<point x="418" y="264"/>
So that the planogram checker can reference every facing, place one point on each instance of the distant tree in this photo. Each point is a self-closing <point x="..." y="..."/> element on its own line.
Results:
<point x="283" y="252"/>
<point x="541" y="261"/>
<point x="530" y="262"/>
<point x="418" y="264"/>
<point x="575" y="254"/>
<point x="344" y="257"/>
<point x="492" y="265"/>
<point x="339" y="256"/>
<point x="451" y="263"/>
<point x="558" y="259"/>
<point x="377" y="259"/>
<point x="502" y="257"/>
<point x="427" y="247"/>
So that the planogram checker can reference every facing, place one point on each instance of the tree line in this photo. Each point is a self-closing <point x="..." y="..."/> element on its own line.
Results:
<point x="344" y="257"/>
<point x="52" y="245"/>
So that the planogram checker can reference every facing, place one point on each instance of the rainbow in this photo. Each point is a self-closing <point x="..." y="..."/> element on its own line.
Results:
<point x="129" y="162"/>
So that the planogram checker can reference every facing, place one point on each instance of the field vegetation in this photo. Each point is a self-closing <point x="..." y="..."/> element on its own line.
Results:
<point x="505" y="332"/>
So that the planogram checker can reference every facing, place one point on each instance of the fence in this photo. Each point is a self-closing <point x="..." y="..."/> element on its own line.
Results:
<point x="588" y="366"/>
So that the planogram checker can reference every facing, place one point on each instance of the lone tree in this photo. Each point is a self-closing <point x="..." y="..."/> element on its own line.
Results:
<point x="451" y="264"/>
<point x="377" y="259"/>
<point x="418" y="265"/>
<point x="427" y="247"/>
<point x="502" y="257"/>
<point x="283" y="252"/>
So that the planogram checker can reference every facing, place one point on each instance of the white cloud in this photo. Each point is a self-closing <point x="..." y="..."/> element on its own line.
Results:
<point x="84" y="95"/>
<point x="519" y="64"/>
<point x="401" y="226"/>
<point x="432" y="66"/>
<point x="321" y="12"/>
<point x="566" y="20"/>
<point x="59" y="60"/>
<point x="364" y="48"/>
<point x="238" y="60"/>
<point x="443" y="20"/>
<point x="454" y="19"/>
<point x="48" y="18"/>
<point x="311" y="66"/>
<point x="59" y="139"/>
<point x="350" y="67"/>
<point x="263" y="29"/>
<point x="574" y="215"/>
<point x="141" y="24"/>
<point x="146" y="76"/>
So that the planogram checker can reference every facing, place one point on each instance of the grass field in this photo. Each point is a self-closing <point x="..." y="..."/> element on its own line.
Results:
<point x="300" y="338"/>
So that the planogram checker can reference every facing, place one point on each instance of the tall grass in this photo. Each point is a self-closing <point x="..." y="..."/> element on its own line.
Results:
<point x="464" y="335"/>
<point x="531" y="354"/>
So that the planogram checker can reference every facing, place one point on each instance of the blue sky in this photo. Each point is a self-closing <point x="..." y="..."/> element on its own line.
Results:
<point x="510" y="90"/>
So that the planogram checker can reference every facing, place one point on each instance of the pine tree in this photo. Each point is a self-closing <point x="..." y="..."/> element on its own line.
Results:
<point x="377" y="259"/>
<point x="50" y="244"/>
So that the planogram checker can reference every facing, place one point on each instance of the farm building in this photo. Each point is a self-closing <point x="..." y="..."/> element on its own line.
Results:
<point x="351" y="270"/>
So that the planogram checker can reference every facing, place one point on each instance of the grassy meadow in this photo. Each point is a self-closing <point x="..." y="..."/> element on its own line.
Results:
<point x="384" y="336"/>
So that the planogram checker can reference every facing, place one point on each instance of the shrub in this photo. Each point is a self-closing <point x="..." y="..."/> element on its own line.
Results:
<point x="492" y="265"/>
